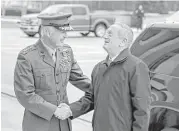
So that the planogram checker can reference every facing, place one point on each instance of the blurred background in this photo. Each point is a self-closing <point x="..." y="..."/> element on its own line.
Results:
<point x="32" y="6"/>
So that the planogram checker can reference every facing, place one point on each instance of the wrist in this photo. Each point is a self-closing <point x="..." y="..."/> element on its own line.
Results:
<point x="55" y="111"/>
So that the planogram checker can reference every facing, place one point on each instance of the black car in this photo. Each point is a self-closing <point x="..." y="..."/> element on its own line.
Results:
<point x="158" y="47"/>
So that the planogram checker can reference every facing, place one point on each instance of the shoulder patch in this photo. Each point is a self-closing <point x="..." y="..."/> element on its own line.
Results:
<point x="28" y="49"/>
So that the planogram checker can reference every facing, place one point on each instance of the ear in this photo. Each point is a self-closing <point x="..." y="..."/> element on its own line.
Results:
<point x="48" y="31"/>
<point x="124" y="40"/>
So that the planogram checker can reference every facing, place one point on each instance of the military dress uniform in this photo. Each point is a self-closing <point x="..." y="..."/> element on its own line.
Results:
<point x="40" y="83"/>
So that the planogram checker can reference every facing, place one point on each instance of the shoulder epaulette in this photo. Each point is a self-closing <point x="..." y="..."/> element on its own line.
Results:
<point x="66" y="45"/>
<point x="28" y="49"/>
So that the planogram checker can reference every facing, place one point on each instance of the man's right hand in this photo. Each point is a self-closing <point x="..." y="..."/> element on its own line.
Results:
<point x="63" y="111"/>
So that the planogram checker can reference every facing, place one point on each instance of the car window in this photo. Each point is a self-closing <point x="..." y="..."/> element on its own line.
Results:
<point x="32" y="11"/>
<point x="56" y="9"/>
<point x="51" y="9"/>
<point x="65" y="10"/>
<point x="79" y="11"/>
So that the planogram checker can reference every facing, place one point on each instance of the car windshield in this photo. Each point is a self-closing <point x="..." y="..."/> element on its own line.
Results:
<point x="55" y="9"/>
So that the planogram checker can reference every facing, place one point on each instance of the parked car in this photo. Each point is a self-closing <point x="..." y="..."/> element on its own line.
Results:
<point x="158" y="47"/>
<point x="82" y="20"/>
<point x="29" y="24"/>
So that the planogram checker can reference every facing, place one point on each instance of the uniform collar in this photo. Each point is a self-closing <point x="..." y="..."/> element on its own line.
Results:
<point x="112" y="59"/>
<point x="120" y="58"/>
<point x="50" y="50"/>
<point x="43" y="52"/>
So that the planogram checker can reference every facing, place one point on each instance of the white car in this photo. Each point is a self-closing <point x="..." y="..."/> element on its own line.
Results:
<point x="29" y="24"/>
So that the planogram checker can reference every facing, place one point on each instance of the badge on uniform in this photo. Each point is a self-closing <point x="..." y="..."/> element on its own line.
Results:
<point x="65" y="60"/>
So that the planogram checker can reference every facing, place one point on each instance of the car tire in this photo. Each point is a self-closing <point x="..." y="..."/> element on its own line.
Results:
<point x="100" y="30"/>
<point x="85" y="34"/>
<point x="31" y="35"/>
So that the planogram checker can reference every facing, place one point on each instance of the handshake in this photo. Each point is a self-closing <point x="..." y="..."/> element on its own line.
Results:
<point x="63" y="111"/>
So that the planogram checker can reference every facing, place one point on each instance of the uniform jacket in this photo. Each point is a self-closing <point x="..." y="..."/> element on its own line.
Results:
<point x="120" y="95"/>
<point x="40" y="85"/>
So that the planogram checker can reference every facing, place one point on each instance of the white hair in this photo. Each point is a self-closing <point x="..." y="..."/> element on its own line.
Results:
<point x="44" y="30"/>
<point x="125" y="31"/>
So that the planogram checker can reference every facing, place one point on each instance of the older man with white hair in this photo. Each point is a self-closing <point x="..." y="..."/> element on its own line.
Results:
<point x="120" y="91"/>
<point x="41" y="75"/>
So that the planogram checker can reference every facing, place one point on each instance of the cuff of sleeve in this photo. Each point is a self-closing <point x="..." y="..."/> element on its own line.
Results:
<point x="74" y="110"/>
<point x="47" y="110"/>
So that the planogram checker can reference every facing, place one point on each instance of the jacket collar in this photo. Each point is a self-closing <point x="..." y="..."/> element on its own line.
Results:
<point x="50" y="50"/>
<point x="120" y="58"/>
<point x="43" y="52"/>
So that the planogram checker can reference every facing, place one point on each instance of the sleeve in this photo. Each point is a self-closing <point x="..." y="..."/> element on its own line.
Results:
<point x="141" y="97"/>
<point x="77" y="78"/>
<point x="86" y="103"/>
<point x="25" y="90"/>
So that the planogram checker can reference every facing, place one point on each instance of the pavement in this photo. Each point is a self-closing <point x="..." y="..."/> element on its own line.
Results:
<point x="12" y="120"/>
<point x="87" y="50"/>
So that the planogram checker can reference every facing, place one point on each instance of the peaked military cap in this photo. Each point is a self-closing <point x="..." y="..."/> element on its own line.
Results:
<point x="59" y="20"/>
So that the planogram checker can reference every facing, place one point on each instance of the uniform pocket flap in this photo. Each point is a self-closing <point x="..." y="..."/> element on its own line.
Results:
<point x="43" y="72"/>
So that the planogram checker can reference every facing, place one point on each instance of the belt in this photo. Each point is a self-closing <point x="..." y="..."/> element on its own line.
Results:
<point x="54" y="99"/>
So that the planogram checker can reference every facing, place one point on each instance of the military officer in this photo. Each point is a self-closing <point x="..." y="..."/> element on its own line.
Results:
<point x="41" y="75"/>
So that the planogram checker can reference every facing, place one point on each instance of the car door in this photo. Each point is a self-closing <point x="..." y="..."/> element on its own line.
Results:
<point x="158" y="47"/>
<point x="80" y="20"/>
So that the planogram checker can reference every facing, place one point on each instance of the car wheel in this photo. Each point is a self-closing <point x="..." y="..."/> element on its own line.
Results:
<point x="31" y="35"/>
<point x="100" y="30"/>
<point x="84" y="34"/>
